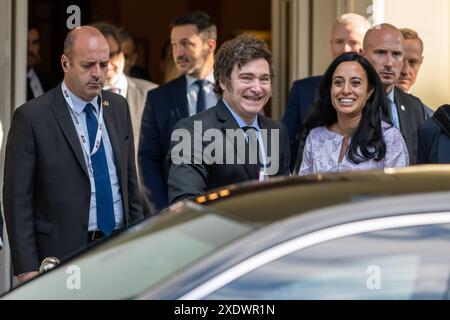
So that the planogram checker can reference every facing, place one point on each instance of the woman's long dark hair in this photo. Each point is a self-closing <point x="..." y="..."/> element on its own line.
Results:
<point x="367" y="142"/>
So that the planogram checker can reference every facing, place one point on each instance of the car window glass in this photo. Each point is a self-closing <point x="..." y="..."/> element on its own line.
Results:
<point x="125" y="268"/>
<point x="403" y="263"/>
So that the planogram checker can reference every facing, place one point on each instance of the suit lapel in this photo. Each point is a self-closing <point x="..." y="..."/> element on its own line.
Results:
<point x="113" y="133"/>
<point x="178" y="101"/>
<point x="228" y="122"/>
<point x="401" y="111"/>
<point x="62" y="114"/>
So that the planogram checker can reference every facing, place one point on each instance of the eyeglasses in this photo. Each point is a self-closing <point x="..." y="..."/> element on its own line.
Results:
<point x="114" y="54"/>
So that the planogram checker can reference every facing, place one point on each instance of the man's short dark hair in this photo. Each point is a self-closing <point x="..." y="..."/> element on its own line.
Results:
<point x="32" y="25"/>
<point x="238" y="51"/>
<point x="124" y="34"/>
<point x="201" y="20"/>
<point x="108" y="30"/>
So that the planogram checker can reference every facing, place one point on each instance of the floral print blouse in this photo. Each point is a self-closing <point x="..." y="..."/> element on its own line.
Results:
<point x="322" y="148"/>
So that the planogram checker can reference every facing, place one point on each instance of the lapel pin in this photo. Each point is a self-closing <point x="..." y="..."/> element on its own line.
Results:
<point x="106" y="103"/>
<point x="402" y="107"/>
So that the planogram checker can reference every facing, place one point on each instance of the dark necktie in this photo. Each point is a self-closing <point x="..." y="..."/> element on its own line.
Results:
<point x="201" y="103"/>
<point x="103" y="193"/>
<point x="252" y="150"/>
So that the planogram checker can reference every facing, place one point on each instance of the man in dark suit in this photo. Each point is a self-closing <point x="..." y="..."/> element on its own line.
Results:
<point x="70" y="174"/>
<point x="412" y="60"/>
<point x="243" y="73"/>
<point x="37" y="81"/>
<point x="347" y="35"/>
<point x="434" y="138"/>
<point x="193" y="38"/>
<point x="383" y="47"/>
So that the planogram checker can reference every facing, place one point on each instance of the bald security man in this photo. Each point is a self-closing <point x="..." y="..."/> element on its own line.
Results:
<point x="70" y="176"/>
<point x="383" y="47"/>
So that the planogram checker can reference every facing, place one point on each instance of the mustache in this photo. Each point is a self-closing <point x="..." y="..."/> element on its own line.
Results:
<point x="182" y="59"/>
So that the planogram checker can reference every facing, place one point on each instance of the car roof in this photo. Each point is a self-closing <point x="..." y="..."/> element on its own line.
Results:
<point x="290" y="201"/>
<point x="307" y="223"/>
<point x="283" y="197"/>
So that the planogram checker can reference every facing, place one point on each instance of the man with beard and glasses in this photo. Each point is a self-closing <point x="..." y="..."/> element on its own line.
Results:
<point x="70" y="174"/>
<point x="193" y="39"/>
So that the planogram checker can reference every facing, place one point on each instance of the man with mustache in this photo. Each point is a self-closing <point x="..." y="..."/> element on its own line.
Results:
<point x="413" y="58"/>
<point x="193" y="38"/>
<point x="37" y="82"/>
<point x="70" y="174"/>
<point x="383" y="47"/>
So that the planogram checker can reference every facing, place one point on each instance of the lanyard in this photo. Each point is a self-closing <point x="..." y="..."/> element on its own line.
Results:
<point x="80" y="130"/>
<point x="262" y="151"/>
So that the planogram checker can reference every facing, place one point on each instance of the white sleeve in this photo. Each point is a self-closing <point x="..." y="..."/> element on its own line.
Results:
<point x="307" y="164"/>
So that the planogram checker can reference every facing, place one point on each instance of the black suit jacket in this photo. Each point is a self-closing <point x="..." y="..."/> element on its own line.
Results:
<point x="165" y="106"/>
<point x="46" y="186"/>
<point x="411" y="113"/>
<point x="301" y="97"/>
<point x="45" y="80"/>
<point x="433" y="143"/>
<point x="187" y="180"/>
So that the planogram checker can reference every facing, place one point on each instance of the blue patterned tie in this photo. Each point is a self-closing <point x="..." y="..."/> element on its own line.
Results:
<point x="201" y="103"/>
<point x="103" y="193"/>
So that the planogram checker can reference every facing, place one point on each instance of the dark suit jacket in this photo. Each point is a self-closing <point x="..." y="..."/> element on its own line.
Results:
<point x="187" y="180"/>
<point x="45" y="81"/>
<point x="301" y="97"/>
<point x="433" y="143"/>
<point x="411" y="113"/>
<point x="165" y="106"/>
<point x="136" y="95"/>
<point x="46" y="186"/>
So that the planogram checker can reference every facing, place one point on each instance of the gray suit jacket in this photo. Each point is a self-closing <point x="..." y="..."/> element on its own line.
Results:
<point x="187" y="180"/>
<point x="136" y="96"/>
<point x="46" y="190"/>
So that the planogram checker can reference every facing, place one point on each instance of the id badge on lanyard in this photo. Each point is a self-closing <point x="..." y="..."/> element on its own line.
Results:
<point x="80" y="130"/>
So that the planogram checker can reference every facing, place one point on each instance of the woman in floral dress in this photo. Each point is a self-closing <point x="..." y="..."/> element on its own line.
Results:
<point x="349" y="127"/>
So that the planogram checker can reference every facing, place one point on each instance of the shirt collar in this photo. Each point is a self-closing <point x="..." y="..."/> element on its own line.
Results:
<point x="190" y="79"/>
<point x="121" y="83"/>
<point x="79" y="104"/>
<point x="241" y="123"/>
<point x="31" y="73"/>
